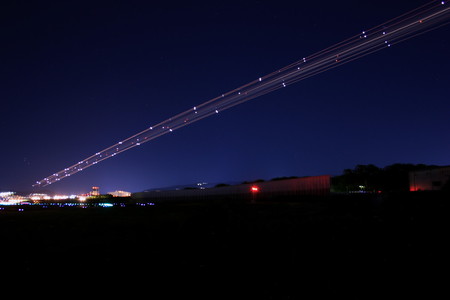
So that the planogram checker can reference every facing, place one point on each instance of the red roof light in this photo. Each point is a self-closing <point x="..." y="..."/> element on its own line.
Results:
<point x="254" y="189"/>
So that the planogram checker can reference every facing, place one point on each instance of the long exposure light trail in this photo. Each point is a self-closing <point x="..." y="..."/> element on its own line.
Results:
<point x="423" y="19"/>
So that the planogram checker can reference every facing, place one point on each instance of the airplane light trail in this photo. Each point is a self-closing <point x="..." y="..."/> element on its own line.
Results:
<point x="421" y="20"/>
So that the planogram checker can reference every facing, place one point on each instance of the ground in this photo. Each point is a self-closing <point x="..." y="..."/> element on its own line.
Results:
<point x="352" y="246"/>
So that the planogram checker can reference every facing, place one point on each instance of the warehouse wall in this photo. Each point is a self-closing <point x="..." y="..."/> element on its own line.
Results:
<point x="316" y="186"/>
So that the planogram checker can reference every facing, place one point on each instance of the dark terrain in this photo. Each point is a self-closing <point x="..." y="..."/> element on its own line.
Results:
<point x="348" y="246"/>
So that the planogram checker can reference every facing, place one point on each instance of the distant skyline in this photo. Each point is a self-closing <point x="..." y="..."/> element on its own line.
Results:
<point x="80" y="76"/>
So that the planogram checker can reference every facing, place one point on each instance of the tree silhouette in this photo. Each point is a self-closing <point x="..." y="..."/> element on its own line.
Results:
<point x="370" y="178"/>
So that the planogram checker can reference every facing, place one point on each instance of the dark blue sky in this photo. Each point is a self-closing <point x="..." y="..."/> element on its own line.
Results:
<point x="77" y="77"/>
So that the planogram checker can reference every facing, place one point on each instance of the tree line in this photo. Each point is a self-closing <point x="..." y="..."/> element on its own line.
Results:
<point x="370" y="178"/>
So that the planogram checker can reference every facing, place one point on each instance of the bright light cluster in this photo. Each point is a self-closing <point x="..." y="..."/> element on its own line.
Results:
<point x="383" y="36"/>
<point x="6" y="194"/>
<point x="25" y="205"/>
<point x="10" y="198"/>
<point x="38" y="197"/>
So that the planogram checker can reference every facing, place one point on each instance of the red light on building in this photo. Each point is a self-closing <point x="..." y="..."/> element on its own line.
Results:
<point x="254" y="189"/>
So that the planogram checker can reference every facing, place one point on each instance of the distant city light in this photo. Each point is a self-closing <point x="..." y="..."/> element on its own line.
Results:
<point x="6" y="194"/>
<point x="120" y="194"/>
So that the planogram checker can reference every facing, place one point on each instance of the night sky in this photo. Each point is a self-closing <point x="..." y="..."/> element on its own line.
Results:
<point x="77" y="77"/>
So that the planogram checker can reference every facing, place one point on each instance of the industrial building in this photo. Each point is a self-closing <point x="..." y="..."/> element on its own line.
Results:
<point x="310" y="186"/>
<point x="429" y="180"/>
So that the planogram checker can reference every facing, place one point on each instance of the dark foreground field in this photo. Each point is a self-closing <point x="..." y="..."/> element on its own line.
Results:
<point x="355" y="247"/>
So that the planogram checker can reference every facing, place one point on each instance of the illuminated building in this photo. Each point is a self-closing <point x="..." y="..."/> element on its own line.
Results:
<point x="95" y="191"/>
<point x="429" y="180"/>
<point x="37" y="196"/>
<point x="6" y="195"/>
<point x="120" y="194"/>
<point x="10" y="198"/>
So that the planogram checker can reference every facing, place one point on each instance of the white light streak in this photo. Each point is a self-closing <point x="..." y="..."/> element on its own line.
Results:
<point x="432" y="15"/>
